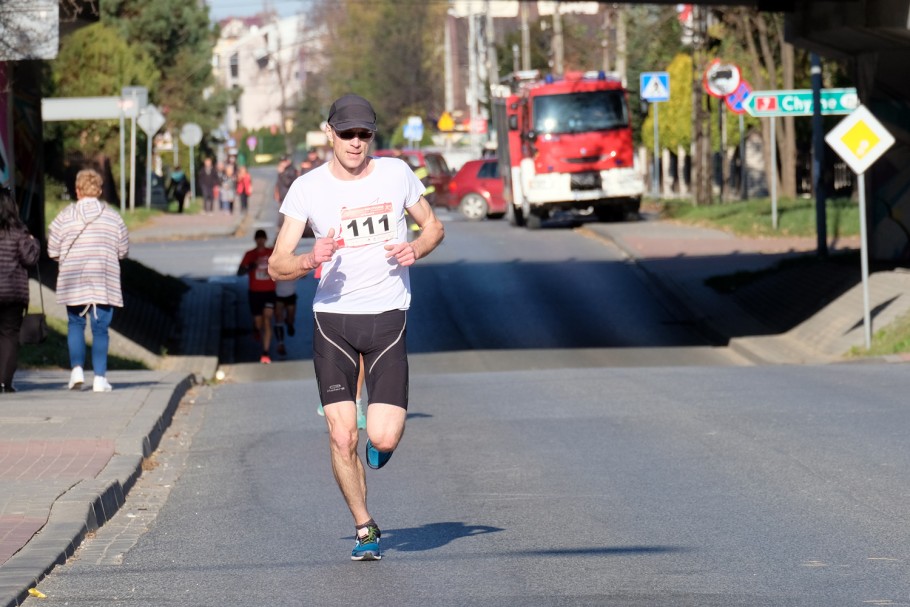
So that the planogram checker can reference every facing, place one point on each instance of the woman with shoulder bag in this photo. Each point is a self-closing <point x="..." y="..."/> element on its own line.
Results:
<point x="18" y="251"/>
<point x="88" y="239"/>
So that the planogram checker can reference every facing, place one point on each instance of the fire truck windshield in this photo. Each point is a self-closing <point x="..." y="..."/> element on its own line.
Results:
<point x="580" y="112"/>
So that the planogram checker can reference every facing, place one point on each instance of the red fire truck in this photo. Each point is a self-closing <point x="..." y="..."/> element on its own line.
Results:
<point x="566" y="143"/>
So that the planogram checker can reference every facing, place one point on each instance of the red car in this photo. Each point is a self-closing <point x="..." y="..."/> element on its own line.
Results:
<point x="437" y="172"/>
<point x="476" y="190"/>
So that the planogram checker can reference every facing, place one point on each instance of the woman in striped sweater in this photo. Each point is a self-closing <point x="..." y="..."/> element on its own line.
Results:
<point x="88" y="239"/>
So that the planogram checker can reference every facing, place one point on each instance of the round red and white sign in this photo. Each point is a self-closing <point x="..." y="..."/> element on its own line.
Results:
<point x="721" y="79"/>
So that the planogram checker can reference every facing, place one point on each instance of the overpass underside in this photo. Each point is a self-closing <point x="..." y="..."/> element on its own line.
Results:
<point x="874" y="35"/>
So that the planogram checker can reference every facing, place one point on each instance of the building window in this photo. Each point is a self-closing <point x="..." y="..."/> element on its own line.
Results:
<point x="235" y="66"/>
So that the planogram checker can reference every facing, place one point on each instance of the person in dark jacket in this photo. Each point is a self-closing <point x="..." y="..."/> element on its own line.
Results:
<point x="207" y="182"/>
<point x="179" y="187"/>
<point x="18" y="252"/>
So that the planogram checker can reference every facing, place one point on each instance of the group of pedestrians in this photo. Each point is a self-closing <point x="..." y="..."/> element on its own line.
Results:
<point x="87" y="239"/>
<point x="227" y="184"/>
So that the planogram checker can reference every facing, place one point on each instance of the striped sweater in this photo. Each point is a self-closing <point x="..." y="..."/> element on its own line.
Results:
<point x="89" y="258"/>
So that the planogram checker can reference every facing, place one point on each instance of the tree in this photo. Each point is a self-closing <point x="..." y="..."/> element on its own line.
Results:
<point x="396" y="60"/>
<point x="96" y="61"/>
<point x="772" y="62"/>
<point x="654" y="39"/>
<point x="179" y="38"/>
<point x="674" y="121"/>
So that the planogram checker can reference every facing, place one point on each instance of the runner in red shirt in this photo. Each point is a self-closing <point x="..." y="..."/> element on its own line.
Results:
<point x="255" y="264"/>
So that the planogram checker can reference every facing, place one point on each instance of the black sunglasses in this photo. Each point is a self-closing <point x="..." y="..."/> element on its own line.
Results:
<point x="348" y="135"/>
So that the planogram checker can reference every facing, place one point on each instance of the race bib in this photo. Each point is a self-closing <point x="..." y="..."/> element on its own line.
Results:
<point x="367" y="225"/>
<point x="262" y="269"/>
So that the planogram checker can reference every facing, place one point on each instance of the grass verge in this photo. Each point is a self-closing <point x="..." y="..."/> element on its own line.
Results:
<point x="795" y="217"/>
<point x="753" y="218"/>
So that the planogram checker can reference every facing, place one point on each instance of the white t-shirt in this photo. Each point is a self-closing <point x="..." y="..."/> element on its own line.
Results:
<point x="367" y="214"/>
<point x="285" y="288"/>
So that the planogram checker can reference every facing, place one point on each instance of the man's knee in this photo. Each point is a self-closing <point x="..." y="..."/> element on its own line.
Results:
<point x="386" y="426"/>
<point x="343" y="438"/>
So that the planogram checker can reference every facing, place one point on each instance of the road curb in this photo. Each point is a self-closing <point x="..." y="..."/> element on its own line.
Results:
<point x="92" y="502"/>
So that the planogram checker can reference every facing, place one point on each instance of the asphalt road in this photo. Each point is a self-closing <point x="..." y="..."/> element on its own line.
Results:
<point x="571" y="441"/>
<point x="649" y="486"/>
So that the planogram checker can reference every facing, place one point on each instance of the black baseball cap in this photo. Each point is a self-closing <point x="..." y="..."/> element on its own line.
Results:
<point x="352" y="112"/>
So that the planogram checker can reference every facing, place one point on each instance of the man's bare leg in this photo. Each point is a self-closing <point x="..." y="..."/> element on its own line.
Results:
<point x="346" y="465"/>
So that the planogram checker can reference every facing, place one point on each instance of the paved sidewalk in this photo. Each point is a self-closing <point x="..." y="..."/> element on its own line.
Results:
<point x="67" y="459"/>
<point x="810" y="313"/>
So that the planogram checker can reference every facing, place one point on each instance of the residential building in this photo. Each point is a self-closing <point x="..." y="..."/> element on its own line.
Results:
<point x="262" y="56"/>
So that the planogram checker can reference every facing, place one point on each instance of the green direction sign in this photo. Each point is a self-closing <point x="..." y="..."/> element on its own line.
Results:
<point x="799" y="102"/>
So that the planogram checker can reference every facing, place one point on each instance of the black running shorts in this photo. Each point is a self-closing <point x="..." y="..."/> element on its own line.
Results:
<point x="260" y="300"/>
<point x="338" y="342"/>
<point x="288" y="300"/>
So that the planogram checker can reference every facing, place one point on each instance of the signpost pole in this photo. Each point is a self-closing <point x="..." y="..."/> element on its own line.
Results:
<point x="193" y="173"/>
<point x="148" y="171"/>
<point x="773" y="173"/>
<point x="122" y="161"/>
<point x="864" y="259"/>
<point x="744" y="175"/>
<point x="655" y="179"/>
<point x="191" y="136"/>
<point x="860" y="140"/>
<point x="133" y="152"/>
<point x="818" y="155"/>
<point x="722" y="119"/>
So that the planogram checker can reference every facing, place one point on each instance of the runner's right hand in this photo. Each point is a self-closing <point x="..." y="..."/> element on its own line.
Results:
<point x="324" y="248"/>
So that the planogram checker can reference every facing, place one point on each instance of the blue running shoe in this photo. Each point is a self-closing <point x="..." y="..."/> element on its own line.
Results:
<point x="377" y="459"/>
<point x="367" y="547"/>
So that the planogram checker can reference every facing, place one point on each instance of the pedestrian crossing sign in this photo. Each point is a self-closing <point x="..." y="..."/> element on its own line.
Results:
<point x="860" y="139"/>
<point x="655" y="86"/>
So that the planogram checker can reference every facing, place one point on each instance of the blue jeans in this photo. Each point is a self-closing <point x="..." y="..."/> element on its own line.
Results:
<point x="100" y="318"/>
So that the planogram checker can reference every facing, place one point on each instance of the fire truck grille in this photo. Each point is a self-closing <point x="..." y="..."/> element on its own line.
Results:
<point x="586" y="181"/>
<point x="585" y="159"/>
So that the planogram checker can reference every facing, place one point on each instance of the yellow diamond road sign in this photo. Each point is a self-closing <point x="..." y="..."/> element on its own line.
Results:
<point x="860" y="139"/>
<point x="445" y="123"/>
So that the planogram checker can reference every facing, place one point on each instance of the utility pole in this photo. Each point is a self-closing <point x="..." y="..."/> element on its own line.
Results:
<point x="558" y="44"/>
<point x="525" y="37"/>
<point x="449" y="72"/>
<point x="607" y="41"/>
<point x="621" y="44"/>
<point x="701" y="138"/>
<point x="818" y="158"/>
<point x="473" y="80"/>
<point x="492" y="59"/>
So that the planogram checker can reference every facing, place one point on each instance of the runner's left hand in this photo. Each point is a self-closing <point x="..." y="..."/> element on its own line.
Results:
<point x="403" y="251"/>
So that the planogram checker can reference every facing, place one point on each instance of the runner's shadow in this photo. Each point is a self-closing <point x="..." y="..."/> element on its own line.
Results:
<point x="428" y="537"/>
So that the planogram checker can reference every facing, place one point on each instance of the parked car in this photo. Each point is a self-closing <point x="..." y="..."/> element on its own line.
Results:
<point x="476" y="190"/>
<point x="438" y="175"/>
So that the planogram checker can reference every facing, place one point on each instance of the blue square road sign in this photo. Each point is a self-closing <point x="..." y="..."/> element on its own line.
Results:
<point x="655" y="86"/>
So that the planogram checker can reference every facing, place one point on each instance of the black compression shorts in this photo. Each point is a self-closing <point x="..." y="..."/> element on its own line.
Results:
<point x="338" y="342"/>
<point x="260" y="300"/>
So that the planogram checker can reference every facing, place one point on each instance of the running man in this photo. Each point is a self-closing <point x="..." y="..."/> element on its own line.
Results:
<point x="356" y="207"/>
<point x="255" y="264"/>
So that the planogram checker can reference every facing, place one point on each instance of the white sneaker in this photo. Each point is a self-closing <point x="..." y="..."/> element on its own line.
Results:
<point x="101" y="385"/>
<point x="77" y="378"/>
